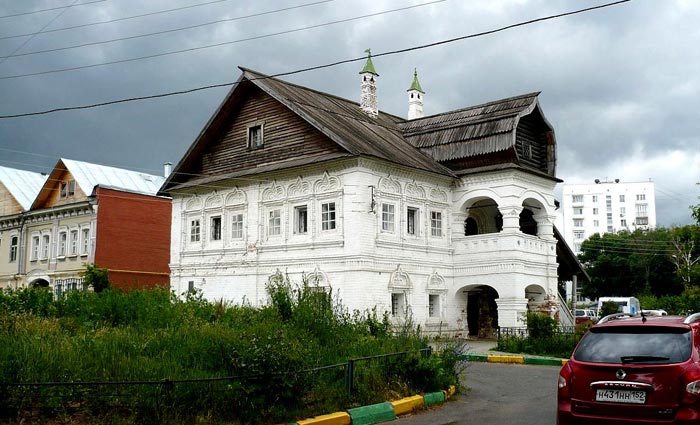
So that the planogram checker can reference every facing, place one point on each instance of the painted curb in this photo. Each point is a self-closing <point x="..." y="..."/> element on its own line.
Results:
<point x="500" y="358"/>
<point x="408" y="405"/>
<point x="432" y="399"/>
<point x="338" y="418"/>
<point x="372" y="414"/>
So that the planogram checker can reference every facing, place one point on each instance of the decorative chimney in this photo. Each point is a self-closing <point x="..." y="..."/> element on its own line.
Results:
<point x="368" y="98"/>
<point x="415" y="98"/>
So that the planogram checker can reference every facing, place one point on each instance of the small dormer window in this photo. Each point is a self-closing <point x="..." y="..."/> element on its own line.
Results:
<point x="255" y="136"/>
<point x="71" y="188"/>
<point x="411" y="95"/>
<point x="64" y="189"/>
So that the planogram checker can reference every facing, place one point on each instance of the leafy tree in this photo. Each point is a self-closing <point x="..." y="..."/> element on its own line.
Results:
<point x="695" y="211"/>
<point x="629" y="263"/>
<point x="96" y="277"/>
<point x="686" y="254"/>
<point x="608" y="308"/>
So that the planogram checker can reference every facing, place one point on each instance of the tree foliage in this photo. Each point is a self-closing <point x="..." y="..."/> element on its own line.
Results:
<point x="95" y="277"/>
<point x="695" y="211"/>
<point x="639" y="262"/>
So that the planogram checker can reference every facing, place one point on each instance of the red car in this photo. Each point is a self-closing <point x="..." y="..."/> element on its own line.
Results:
<point x="633" y="370"/>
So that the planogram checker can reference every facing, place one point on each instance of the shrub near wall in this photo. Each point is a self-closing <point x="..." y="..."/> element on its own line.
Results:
<point x="543" y="338"/>
<point x="152" y="336"/>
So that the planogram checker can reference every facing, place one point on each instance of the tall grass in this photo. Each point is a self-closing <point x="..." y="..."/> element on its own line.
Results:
<point x="111" y="337"/>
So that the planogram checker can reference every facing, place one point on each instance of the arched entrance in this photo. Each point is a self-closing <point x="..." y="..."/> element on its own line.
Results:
<point x="483" y="217"/>
<point x="481" y="310"/>
<point x="535" y="295"/>
<point x="40" y="283"/>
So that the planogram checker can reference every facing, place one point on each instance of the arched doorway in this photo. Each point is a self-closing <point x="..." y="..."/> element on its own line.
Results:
<point x="40" y="283"/>
<point x="535" y="295"/>
<point x="481" y="311"/>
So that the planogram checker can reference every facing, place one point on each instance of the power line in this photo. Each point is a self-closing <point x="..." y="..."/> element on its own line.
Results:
<point x="118" y="19"/>
<point x="254" y="15"/>
<point x="42" y="28"/>
<point x="46" y="10"/>
<point x="424" y="46"/>
<point x="192" y="49"/>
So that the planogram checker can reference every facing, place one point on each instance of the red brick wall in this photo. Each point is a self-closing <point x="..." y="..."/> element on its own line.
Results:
<point x="133" y="238"/>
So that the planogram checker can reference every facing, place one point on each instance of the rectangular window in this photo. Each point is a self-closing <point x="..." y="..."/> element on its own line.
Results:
<point x="436" y="223"/>
<point x="623" y="223"/>
<point x="215" y="233"/>
<point x="641" y="197"/>
<point x="578" y="211"/>
<point x="622" y="198"/>
<point x="578" y="222"/>
<point x="85" y="242"/>
<point x="595" y="211"/>
<point x="577" y="247"/>
<point x="577" y="198"/>
<point x="45" y="246"/>
<point x="433" y="305"/>
<point x="62" y="241"/>
<point x="255" y="137"/>
<point x="388" y="218"/>
<point x="301" y="215"/>
<point x="641" y="210"/>
<point x="64" y="189"/>
<point x="596" y="223"/>
<point x="274" y="223"/>
<point x="328" y="216"/>
<point x="622" y="210"/>
<point x="237" y="226"/>
<point x="642" y="221"/>
<point x="397" y="304"/>
<point x="579" y="234"/>
<point x="595" y="198"/>
<point x="610" y="229"/>
<point x="190" y="286"/>
<point x="35" y="248"/>
<point x="411" y="221"/>
<point x="195" y="230"/>
<point x="71" y="188"/>
<point x="73" y="242"/>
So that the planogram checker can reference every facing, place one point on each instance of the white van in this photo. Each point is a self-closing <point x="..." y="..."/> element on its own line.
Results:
<point x="624" y="304"/>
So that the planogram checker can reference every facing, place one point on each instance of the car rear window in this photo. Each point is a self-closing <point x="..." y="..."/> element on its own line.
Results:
<point x="635" y="345"/>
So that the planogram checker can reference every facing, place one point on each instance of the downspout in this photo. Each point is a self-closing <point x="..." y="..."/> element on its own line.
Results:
<point x="21" y="267"/>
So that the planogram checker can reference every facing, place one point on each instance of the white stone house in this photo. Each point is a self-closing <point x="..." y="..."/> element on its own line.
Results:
<point x="448" y="218"/>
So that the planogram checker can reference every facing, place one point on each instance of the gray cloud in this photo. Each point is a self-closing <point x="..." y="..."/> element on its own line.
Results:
<point x="620" y="85"/>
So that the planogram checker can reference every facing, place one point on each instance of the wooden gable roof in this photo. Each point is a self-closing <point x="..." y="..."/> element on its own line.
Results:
<point x="476" y="130"/>
<point x="339" y="120"/>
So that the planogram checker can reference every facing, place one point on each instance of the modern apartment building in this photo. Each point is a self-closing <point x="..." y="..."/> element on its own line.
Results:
<point x="606" y="207"/>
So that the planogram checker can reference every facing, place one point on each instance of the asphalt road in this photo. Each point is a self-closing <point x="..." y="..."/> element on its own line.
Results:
<point x="498" y="394"/>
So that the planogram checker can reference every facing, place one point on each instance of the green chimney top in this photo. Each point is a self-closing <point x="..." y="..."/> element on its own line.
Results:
<point x="415" y="85"/>
<point x="369" y="66"/>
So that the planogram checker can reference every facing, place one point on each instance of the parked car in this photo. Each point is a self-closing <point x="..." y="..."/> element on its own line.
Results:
<point x="584" y="315"/>
<point x="632" y="369"/>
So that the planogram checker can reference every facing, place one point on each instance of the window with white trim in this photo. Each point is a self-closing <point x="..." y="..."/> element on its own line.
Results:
<point x="74" y="242"/>
<point x="328" y="216"/>
<point x="622" y="198"/>
<point x="435" y="223"/>
<point x="623" y="211"/>
<point x="579" y="234"/>
<point x="35" y="248"/>
<point x="215" y="228"/>
<point x="301" y="219"/>
<point x="274" y="223"/>
<point x="578" y="211"/>
<point x="45" y="246"/>
<point x="85" y="242"/>
<point x="62" y="242"/>
<point x="623" y="222"/>
<point x="195" y="230"/>
<point x="596" y="223"/>
<point x="255" y="137"/>
<point x="577" y="198"/>
<point x="595" y="211"/>
<point x="433" y="305"/>
<point x="388" y="218"/>
<point x="641" y="210"/>
<point x="578" y="222"/>
<point x="641" y="197"/>
<point x="412" y="225"/>
<point x="595" y="198"/>
<point x="237" y="226"/>
<point x="398" y="304"/>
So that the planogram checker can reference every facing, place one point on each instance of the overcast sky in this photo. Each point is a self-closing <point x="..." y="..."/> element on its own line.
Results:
<point x="620" y="85"/>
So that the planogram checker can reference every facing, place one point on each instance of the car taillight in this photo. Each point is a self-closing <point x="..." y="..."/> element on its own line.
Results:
<point x="564" y="383"/>
<point x="691" y="385"/>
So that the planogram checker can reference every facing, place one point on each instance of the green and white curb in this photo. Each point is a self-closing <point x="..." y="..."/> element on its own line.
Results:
<point x="381" y="412"/>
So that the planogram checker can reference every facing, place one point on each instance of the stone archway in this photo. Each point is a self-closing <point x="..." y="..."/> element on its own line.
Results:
<point x="39" y="283"/>
<point x="480" y="313"/>
<point x="483" y="216"/>
<point x="536" y="297"/>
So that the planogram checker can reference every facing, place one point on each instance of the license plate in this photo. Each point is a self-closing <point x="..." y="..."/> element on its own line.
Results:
<point x="621" y="396"/>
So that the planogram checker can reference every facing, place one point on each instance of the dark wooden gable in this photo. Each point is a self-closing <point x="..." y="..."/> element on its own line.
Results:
<point x="286" y="136"/>
<point x="533" y="138"/>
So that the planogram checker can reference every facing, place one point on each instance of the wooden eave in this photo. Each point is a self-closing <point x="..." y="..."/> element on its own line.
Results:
<point x="507" y="166"/>
<point x="569" y="265"/>
<point x="50" y="184"/>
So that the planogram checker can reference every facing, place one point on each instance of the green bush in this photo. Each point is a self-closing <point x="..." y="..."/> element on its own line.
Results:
<point x="270" y="355"/>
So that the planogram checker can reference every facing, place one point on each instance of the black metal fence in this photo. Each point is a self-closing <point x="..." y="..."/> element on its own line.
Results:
<point x="157" y="398"/>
